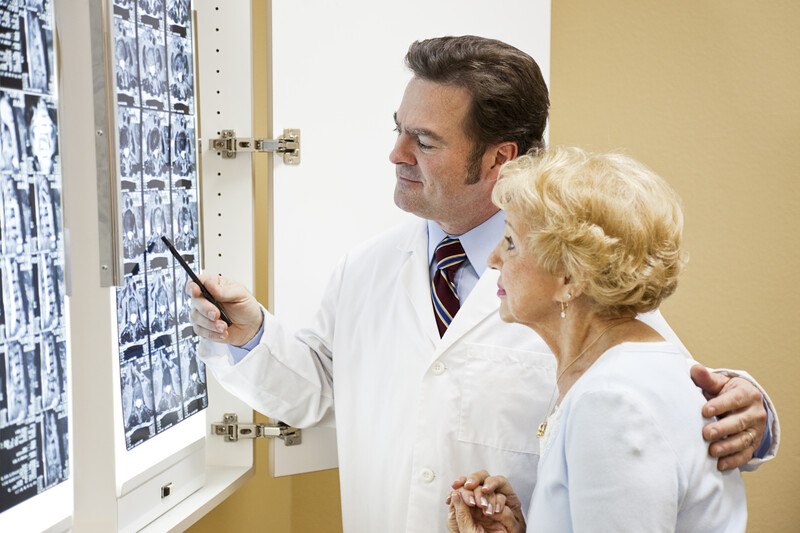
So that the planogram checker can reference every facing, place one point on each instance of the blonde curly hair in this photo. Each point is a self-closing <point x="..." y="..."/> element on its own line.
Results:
<point x="602" y="219"/>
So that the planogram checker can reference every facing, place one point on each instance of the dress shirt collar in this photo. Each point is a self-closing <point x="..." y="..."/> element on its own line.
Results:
<point x="478" y="242"/>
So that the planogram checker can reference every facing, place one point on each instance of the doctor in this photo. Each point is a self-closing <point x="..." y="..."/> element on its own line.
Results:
<point x="421" y="393"/>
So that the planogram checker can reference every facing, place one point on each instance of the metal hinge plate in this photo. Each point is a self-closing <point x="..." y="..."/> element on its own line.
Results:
<point x="288" y="144"/>
<point x="232" y="430"/>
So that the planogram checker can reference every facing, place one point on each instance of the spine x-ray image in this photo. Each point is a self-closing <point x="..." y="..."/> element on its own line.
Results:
<point x="158" y="179"/>
<point x="34" y="437"/>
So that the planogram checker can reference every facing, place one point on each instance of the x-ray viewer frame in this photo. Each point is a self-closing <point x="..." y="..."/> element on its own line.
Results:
<point x="117" y="489"/>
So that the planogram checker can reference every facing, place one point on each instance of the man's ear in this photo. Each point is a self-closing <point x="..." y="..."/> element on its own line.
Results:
<point x="499" y="154"/>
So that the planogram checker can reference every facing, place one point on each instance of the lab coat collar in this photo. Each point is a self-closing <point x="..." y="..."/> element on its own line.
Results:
<point x="415" y="279"/>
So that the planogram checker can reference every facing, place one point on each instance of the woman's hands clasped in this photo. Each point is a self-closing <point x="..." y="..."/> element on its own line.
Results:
<point x="481" y="503"/>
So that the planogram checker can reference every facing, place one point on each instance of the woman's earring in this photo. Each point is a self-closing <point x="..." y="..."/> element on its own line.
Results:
<point x="565" y="306"/>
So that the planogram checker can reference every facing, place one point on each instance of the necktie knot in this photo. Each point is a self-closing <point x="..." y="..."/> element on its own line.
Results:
<point x="448" y="257"/>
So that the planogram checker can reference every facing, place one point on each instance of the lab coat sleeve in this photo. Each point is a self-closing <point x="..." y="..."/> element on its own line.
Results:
<point x="656" y="321"/>
<point x="288" y="375"/>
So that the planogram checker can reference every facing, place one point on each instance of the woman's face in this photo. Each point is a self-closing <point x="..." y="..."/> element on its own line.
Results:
<point x="527" y="293"/>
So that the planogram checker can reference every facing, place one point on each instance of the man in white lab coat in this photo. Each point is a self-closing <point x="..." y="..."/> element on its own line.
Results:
<point x="414" y="409"/>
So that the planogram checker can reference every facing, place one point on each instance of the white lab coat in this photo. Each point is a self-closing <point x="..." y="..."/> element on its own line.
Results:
<point x="413" y="411"/>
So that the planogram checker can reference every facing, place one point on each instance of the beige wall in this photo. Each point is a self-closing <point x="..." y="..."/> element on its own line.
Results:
<point x="708" y="94"/>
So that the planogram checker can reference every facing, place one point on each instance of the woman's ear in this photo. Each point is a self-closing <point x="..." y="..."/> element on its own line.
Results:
<point x="570" y="289"/>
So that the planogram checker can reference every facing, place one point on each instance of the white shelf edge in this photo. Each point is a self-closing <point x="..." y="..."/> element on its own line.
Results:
<point x="221" y="482"/>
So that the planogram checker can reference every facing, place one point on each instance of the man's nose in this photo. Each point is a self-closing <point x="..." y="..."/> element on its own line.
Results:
<point x="402" y="153"/>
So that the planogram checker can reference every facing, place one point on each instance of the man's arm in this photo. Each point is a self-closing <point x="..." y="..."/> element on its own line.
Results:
<point x="287" y="374"/>
<point x="740" y="406"/>
<point x="747" y="431"/>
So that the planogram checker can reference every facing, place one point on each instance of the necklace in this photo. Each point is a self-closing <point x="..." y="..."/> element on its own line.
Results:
<point x="543" y="425"/>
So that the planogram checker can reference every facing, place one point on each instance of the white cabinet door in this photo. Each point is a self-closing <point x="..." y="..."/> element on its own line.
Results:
<point x="338" y="76"/>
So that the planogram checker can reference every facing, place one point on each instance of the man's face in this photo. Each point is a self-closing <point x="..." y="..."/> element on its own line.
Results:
<point x="433" y="157"/>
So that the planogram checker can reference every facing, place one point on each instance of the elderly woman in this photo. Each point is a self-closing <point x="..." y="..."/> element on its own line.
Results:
<point x="592" y="241"/>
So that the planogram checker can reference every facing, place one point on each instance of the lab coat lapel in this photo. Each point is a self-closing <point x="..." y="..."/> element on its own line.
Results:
<point x="480" y="304"/>
<point x="415" y="277"/>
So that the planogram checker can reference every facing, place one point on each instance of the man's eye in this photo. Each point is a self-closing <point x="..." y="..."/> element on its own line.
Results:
<point x="396" y="130"/>
<point x="509" y="243"/>
<point x="423" y="146"/>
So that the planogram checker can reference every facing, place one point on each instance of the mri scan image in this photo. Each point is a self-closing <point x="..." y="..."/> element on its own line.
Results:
<point x="183" y="304"/>
<point x="158" y="223"/>
<point x="137" y="401"/>
<point x="151" y="10"/>
<point x="34" y="436"/>
<point x="53" y="370"/>
<point x="166" y="385"/>
<point x="132" y="231"/>
<point x="12" y="56"/>
<point x="185" y="218"/>
<point x="39" y="44"/>
<point x="132" y="312"/>
<point x="161" y="285"/>
<point x="17" y="222"/>
<point x="194" y="378"/>
<point x="40" y="115"/>
<point x="181" y="89"/>
<point x="155" y="136"/>
<point x="48" y="214"/>
<point x="18" y="300"/>
<point x="51" y="288"/>
<point x="21" y="384"/>
<point x="183" y="152"/>
<point x="157" y="175"/>
<point x="153" y="67"/>
<point x="178" y="14"/>
<point x="12" y="108"/>
<point x="54" y="453"/>
<point x="126" y="57"/>
<point x="130" y="148"/>
<point x="125" y="9"/>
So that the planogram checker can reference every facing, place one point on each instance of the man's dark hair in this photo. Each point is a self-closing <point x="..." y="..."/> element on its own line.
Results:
<point x="509" y="95"/>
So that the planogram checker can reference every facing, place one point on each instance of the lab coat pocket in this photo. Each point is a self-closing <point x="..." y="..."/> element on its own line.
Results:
<point x="504" y="397"/>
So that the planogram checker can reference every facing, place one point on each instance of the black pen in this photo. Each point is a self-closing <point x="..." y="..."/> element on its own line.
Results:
<point x="206" y="294"/>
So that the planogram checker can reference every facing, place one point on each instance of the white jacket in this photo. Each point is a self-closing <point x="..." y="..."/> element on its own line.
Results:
<point x="413" y="411"/>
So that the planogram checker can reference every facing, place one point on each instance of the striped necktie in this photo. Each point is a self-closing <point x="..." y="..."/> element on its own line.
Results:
<point x="448" y="258"/>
